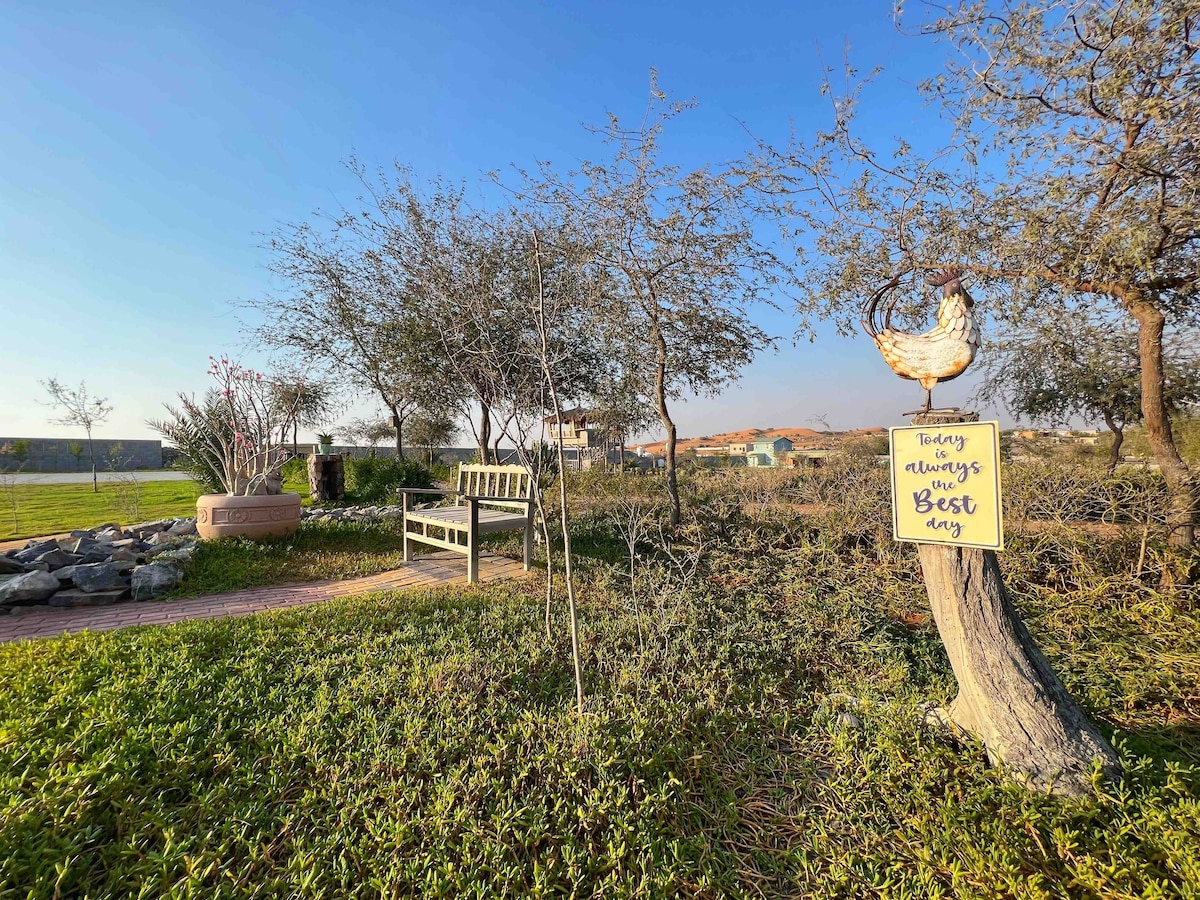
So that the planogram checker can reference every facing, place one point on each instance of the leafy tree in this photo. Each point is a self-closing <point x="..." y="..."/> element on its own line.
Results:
<point x="369" y="431"/>
<point x="450" y="262"/>
<point x="1066" y="366"/>
<point x="348" y="310"/>
<point x="680" y="258"/>
<point x="81" y="410"/>
<point x="1072" y="172"/>
<point x="15" y="454"/>
<point x="310" y="402"/>
<point x="433" y="429"/>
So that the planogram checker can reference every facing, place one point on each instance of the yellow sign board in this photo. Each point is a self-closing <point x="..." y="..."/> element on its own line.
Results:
<point x="946" y="485"/>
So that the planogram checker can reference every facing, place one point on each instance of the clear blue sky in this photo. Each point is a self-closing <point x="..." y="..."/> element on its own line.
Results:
<point x="146" y="148"/>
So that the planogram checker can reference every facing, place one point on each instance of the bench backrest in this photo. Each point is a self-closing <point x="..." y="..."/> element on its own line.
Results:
<point x="496" y="481"/>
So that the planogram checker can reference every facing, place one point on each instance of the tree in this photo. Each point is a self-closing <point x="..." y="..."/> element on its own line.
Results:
<point x="431" y="430"/>
<point x="350" y="311"/>
<point x="309" y="400"/>
<point x="13" y="457"/>
<point x="450" y="262"/>
<point x="81" y="410"/>
<point x="680" y="257"/>
<point x="531" y="346"/>
<point x="1072" y="172"/>
<point x="1065" y="365"/>
<point x="371" y="432"/>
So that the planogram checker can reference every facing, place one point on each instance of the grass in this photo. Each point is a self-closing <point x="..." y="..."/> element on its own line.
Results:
<point x="425" y="744"/>
<point x="318" y="551"/>
<point x="56" y="508"/>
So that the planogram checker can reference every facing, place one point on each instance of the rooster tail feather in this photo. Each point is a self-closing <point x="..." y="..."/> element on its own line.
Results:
<point x="871" y="322"/>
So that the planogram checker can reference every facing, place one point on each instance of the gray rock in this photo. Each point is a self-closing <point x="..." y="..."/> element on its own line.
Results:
<point x="849" y="720"/>
<point x="154" y="580"/>
<point x="157" y="540"/>
<point x="97" y="554"/>
<point x="143" y="530"/>
<point x="97" y="577"/>
<point x="57" y="558"/>
<point x="183" y="527"/>
<point x="34" y="549"/>
<point x="83" y="545"/>
<point x="10" y="566"/>
<point x="125" y="542"/>
<point x="65" y="574"/>
<point x="75" y="597"/>
<point x="81" y="533"/>
<point x="122" y="553"/>
<point x="179" y="555"/>
<point x="32" y="587"/>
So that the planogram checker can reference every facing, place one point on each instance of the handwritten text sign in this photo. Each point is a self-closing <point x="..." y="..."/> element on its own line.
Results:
<point x="946" y="485"/>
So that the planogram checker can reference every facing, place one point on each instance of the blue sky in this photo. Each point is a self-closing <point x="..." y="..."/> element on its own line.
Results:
<point x="145" y="150"/>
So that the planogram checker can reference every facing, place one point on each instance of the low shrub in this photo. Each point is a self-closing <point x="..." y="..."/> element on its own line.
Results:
<point x="376" y="479"/>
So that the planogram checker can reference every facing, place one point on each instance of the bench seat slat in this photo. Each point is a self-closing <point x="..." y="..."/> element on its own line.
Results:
<point x="455" y="517"/>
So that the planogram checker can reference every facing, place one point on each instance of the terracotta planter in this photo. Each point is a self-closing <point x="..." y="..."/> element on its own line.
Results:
<point x="265" y="515"/>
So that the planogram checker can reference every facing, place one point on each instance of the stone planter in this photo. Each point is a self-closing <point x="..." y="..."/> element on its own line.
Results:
<point x="264" y="515"/>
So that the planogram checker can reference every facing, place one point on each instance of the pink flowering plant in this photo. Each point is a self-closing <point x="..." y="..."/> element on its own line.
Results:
<point x="235" y="437"/>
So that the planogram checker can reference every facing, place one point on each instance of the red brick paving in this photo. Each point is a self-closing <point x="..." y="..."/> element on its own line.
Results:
<point x="441" y="568"/>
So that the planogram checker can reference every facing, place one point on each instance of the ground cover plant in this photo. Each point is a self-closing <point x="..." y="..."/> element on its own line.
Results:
<point x="317" y="551"/>
<point x="753" y="728"/>
<point x="56" y="508"/>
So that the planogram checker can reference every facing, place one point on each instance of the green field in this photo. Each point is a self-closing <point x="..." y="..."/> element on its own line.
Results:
<point x="426" y="744"/>
<point x="55" y="508"/>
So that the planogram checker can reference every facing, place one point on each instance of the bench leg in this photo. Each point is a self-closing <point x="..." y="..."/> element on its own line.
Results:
<point x="528" y="541"/>
<point x="473" y="542"/>
<point x="404" y="532"/>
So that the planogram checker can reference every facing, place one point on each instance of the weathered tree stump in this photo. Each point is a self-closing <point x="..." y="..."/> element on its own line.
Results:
<point x="1008" y="696"/>
<point x="326" y="477"/>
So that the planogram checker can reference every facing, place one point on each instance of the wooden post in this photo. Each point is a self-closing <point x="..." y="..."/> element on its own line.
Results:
<point x="528" y="536"/>
<point x="1008" y="696"/>
<point x="404" y="526"/>
<point x="472" y="540"/>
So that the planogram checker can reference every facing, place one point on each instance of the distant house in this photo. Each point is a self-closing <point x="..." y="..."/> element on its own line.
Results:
<point x="768" y="452"/>
<point x="741" y="449"/>
<point x="586" y="444"/>
<point x="807" y="459"/>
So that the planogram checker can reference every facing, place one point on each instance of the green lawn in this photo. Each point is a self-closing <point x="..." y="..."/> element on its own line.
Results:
<point x="425" y="744"/>
<point x="55" y="508"/>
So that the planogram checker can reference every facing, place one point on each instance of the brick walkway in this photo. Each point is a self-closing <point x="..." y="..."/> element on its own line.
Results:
<point x="441" y="568"/>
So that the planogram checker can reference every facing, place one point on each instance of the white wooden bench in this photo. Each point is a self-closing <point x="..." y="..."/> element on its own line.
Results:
<point x="488" y="499"/>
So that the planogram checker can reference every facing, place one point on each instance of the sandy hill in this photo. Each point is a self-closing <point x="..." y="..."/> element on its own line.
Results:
<point x="801" y="438"/>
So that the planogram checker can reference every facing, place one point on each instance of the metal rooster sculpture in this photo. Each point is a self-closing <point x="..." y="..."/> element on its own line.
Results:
<point x="940" y="354"/>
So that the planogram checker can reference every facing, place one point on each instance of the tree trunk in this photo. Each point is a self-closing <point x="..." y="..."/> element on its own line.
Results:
<point x="664" y="415"/>
<point x="1181" y="508"/>
<point x="485" y="434"/>
<point x="295" y="439"/>
<point x="1118" y="433"/>
<point x="399" y="424"/>
<point x="1008" y="696"/>
<point x="92" y="452"/>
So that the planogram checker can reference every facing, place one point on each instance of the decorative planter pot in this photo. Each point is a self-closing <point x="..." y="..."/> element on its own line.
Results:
<point x="325" y="449"/>
<point x="264" y="515"/>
